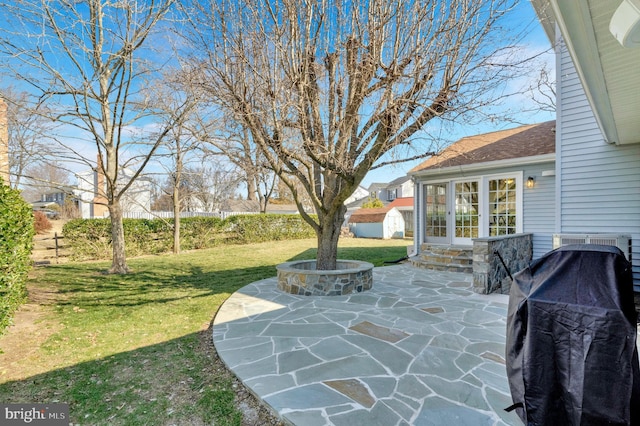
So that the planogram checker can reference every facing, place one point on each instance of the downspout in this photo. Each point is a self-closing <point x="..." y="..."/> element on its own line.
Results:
<point x="416" y="214"/>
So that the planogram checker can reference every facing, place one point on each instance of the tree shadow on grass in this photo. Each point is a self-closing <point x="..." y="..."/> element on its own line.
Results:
<point x="159" y="383"/>
<point x="179" y="381"/>
<point x="84" y="286"/>
<point x="80" y="286"/>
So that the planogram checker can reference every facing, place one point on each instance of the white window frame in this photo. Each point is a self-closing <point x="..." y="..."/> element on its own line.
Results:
<point x="484" y="204"/>
<point x="483" y="201"/>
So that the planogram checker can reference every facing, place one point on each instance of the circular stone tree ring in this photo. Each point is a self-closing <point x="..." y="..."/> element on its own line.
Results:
<point x="302" y="278"/>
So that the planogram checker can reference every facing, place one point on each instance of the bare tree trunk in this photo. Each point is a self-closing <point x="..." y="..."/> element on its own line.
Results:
<point x="83" y="64"/>
<point x="328" y="234"/>
<point x="177" y="180"/>
<point x="119" y="263"/>
<point x="331" y="90"/>
<point x="176" y="219"/>
<point x="251" y="189"/>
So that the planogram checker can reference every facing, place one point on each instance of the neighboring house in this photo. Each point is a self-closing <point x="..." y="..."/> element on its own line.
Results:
<point x="53" y="200"/>
<point x="405" y="207"/>
<point x="360" y="193"/>
<point x="598" y="118"/>
<point x="57" y="196"/>
<point x="401" y="187"/>
<point x="386" y="222"/>
<point x="477" y="187"/>
<point x="92" y="203"/>
<point x="378" y="190"/>
<point x="387" y="192"/>
<point x="361" y="196"/>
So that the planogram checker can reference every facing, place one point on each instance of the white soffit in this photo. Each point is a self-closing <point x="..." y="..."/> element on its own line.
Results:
<point x="608" y="71"/>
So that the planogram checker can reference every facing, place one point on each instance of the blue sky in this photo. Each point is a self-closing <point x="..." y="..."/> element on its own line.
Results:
<point x="521" y="109"/>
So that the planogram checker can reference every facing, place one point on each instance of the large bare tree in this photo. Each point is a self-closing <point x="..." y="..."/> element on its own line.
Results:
<point x="88" y="61"/>
<point x="332" y="89"/>
<point x="181" y="142"/>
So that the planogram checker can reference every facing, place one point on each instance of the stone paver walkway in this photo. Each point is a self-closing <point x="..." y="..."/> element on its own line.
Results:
<point x="420" y="348"/>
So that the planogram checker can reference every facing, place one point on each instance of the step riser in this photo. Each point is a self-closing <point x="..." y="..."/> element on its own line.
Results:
<point x="445" y="258"/>
<point x="442" y="259"/>
<point x="444" y="268"/>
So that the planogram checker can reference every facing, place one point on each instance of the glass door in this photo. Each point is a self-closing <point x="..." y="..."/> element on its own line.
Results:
<point x="467" y="212"/>
<point x="436" y="213"/>
<point x="503" y="211"/>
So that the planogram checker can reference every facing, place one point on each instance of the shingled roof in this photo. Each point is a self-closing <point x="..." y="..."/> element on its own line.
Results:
<point x="401" y="202"/>
<point x="369" y="215"/>
<point x="524" y="141"/>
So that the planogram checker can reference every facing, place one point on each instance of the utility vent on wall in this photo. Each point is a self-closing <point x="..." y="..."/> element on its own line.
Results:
<point x="623" y="242"/>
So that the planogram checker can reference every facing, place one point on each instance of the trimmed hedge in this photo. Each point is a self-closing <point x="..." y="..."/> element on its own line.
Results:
<point x="90" y="239"/>
<point x="16" y="243"/>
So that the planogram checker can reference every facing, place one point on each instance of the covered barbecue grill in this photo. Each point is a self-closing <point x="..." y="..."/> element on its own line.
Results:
<point x="571" y="339"/>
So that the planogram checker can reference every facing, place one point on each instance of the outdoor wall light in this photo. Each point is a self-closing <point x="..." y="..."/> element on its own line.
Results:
<point x="531" y="182"/>
<point x="625" y="23"/>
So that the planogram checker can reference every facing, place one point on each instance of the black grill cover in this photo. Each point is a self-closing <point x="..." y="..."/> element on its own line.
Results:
<point x="571" y="339"/>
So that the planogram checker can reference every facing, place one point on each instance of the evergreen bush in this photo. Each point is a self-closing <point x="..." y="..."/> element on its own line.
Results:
<point x="16" y="243"/>
<point x="91" y="238"/>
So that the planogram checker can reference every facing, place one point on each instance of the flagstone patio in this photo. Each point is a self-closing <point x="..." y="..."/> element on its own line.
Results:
<point x="419" y="348"/>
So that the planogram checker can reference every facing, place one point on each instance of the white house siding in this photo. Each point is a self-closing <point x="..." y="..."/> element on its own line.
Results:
<point x="406" y="189"/>
<point x="84" y="193"/>
<point x="599" y="183"/>
<point x="539" y="207"/>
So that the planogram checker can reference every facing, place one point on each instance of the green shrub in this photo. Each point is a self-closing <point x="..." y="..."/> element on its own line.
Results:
<point x="88" y="238"/>
<point x="16" y="242"/>
<point x="201" y="232"/>
<point x="91" y="238"/>
<point x="257" y="228"/>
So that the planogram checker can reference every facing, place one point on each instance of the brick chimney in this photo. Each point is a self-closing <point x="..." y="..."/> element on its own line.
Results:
<point x="4" y="143"/>
<point x="99" y="199"/>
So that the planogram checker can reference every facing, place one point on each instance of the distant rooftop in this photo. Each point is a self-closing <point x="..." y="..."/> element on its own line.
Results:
<point x="401" y="202"/>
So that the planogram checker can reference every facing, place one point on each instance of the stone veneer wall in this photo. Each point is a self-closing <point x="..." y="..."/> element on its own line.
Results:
<point x="489" y="275"/>
<point x="301" y="277"/>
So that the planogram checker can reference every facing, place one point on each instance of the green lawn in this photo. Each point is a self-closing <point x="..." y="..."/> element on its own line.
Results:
<point x="135" y="349"/>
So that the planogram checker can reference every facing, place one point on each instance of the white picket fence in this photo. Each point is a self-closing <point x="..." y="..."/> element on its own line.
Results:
<point x="169" y="215"/>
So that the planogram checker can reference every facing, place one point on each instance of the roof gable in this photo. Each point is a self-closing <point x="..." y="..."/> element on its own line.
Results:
<point x="521" y="142"/>
<point x="399" y="181"/>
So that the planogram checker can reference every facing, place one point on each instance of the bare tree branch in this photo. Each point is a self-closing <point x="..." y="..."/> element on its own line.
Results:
<point x="329" y="89"/>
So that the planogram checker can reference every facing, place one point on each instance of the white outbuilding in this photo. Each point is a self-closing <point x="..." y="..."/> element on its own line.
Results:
<point x="385" y="222"/>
